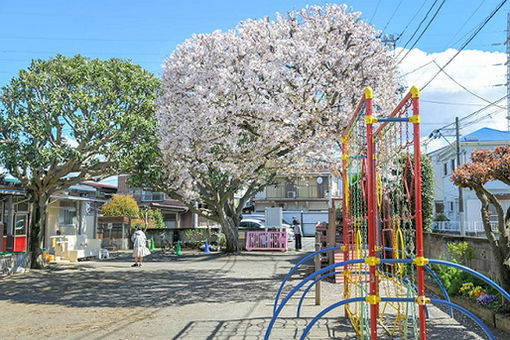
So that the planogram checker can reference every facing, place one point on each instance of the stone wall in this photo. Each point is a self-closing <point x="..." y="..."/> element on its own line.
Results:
<point x="436" y="246"/>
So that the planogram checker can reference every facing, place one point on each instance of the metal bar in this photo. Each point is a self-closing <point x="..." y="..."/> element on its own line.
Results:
<point x="354" y="116"/>
<point x="388" y="299"/>
<point x="417" y="207"/>
<point x="294" y="268"/>
<point x="394" y="112"/>
<point x="345" y="193"/>
<point x="317" y="260"/>
<point x="326" y="310"/>
<point x="503" y="292"/>
<point x="371" y="213"/>
<point x="301" y="284"/>
<point x="431" y="272"/>
<point x="392" y="119"/>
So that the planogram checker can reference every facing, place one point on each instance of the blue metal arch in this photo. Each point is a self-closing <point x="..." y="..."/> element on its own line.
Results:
<point x="438" y="280"/>
<point x="294" y="268"/>
<point x="301" y="284"/>
<point x="439" y="301"/>
<point x="334" y="273"/>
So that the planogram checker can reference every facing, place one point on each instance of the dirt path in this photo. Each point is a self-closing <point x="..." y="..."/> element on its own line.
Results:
<point x="190" y="297"/>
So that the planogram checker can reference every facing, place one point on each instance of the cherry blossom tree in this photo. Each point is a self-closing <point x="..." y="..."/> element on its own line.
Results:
<point x="267" y="98"/>
<point x="490" y="165"/>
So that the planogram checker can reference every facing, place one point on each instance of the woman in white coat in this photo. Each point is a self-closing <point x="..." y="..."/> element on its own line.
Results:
<point x="139" y="247"/>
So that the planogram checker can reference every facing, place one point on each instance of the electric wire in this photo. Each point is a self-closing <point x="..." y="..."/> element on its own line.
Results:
<point x="412" y="19"/>
<point x="480" y="27"/>
<point x="462" y="86"/>
<point x="392" y="15"/>
<point x="375" y="11"/>
<point x="418" y="28"/>
<point x="464" y="24"/>
<point x="423" y="32"/>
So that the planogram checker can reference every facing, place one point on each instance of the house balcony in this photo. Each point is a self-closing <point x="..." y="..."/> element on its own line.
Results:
<point x="305" y="192"/>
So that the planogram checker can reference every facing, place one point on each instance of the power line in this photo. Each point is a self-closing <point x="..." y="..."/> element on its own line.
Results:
<point x="423" y="32"/>
<point x="462" y="86"/>
<point x="416" y="69"/>
<point x="450" y="103"/>
<point x="392" y="15"/>
<point x="482" y="25"/>
<point x="375" y="11"/>
<point x="418" y="28"/>
<point x="464" y="24"/>
<point x="412" y="19"/>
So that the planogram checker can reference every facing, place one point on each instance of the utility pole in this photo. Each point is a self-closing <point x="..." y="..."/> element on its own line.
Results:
<point x="390" y="40"/>
<point x="461" y="196"/>
<point x="507" y="43"/>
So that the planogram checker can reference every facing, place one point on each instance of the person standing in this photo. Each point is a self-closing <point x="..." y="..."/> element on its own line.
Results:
<point x="298" y="233"/>
<point x="139" y="246"/>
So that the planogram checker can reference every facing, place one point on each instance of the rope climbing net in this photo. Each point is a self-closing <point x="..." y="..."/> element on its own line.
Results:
<point x="382" y="218"/>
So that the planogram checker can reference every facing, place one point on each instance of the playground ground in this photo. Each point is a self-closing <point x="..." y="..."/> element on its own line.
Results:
<point x="195" y="296"/>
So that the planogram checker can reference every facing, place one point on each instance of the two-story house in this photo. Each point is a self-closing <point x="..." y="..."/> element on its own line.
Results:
<point x="307" y="198"/>
<point x="446" y="194"/>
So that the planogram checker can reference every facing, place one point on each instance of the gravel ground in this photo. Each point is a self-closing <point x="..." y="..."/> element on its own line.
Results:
<point x="194" y="296"/>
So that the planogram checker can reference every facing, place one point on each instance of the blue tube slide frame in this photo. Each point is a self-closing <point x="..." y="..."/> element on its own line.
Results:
<point x="505" y="294"/>
<point x="301" y="284"/>
<point x="335" y="273"/>
<point x="438" y="280"/>
<point x="435" y="301"/>
<point x="294" y="268"/>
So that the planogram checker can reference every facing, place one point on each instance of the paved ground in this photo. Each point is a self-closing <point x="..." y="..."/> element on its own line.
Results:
<point x="194" y="296"/>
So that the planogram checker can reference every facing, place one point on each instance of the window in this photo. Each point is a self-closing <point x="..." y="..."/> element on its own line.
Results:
<point x="68" y="212"/>
<point x="453" y="164"/>
<point x="150" y="196"/>
<point x="445" y="167"/>
<point x="170" y="220"/>
<point x="439" y="207"/>
<point x="451" y="206"/>
<point x="20" y="225"/>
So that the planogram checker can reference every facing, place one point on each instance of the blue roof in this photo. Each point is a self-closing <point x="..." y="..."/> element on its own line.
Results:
<point x="487" y="135"/>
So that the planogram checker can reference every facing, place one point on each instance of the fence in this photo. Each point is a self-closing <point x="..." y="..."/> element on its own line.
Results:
<point x="472" y="227"/>
<point x="266" y="240"/>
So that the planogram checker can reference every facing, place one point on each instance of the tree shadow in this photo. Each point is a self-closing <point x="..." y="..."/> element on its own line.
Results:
<point x="134" y="287"/>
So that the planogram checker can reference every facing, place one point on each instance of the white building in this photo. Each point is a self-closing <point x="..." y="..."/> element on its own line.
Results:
<point x="307" y="198"/>
<point x="446" y="194"/>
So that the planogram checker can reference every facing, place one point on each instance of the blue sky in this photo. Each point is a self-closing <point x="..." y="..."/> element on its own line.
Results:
<point x="148" y="31"/>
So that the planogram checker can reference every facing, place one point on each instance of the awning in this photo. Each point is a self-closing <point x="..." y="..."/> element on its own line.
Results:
<point x="12" y="192"/>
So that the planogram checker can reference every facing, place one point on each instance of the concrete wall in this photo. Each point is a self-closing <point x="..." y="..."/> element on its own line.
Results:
<point x="436" y="246"/>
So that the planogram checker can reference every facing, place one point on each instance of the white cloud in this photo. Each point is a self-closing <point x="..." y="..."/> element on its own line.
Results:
<point x="478" y="71"/>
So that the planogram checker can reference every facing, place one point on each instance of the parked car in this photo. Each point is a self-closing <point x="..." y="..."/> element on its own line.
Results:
<point x="256" y="224"/>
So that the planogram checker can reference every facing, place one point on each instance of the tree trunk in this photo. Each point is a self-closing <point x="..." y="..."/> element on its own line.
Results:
<point x="229" y="228"/>
<point x="37" y="226"/>
<point x="498" y="245"/>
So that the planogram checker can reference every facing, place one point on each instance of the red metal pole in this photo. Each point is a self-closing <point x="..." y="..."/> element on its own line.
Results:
<point x="345" y="194"/>
<point x="417" y="200"/>
<point x="371" y="212"/>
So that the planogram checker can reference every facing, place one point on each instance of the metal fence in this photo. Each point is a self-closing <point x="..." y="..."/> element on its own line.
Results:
<point x="266" y="240"/>
<point x="472" y="227"/>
